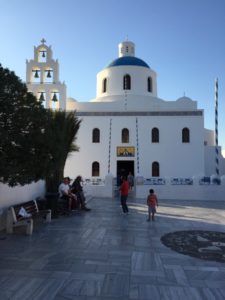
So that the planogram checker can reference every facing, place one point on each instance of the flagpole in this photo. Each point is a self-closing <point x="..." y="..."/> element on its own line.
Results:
<point x="216" y="129"/>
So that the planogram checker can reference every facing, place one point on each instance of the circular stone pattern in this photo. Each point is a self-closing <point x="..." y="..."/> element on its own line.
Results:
<point x="208" y="245"/>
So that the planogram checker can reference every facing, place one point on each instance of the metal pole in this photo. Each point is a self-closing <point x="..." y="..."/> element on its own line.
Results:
<point x="216" y="129"/>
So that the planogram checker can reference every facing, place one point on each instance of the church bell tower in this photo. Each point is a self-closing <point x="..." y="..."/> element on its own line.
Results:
<point x="42" y="78"/>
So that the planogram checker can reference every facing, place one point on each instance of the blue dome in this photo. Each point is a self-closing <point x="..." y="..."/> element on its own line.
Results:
<point x="128" y="61"/>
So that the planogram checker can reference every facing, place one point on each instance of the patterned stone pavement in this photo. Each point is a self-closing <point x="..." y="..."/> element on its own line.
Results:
<point x="104" y="255"/>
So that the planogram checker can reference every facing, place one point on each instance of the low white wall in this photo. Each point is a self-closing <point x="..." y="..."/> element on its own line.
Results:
<point x="11" y="196"/>
<point x="102" y="190"/>
<point x="99" y="191"/>
<point x="184" y="192"/>
<point x="195" y="188"/>
<point x="194" y="191"/>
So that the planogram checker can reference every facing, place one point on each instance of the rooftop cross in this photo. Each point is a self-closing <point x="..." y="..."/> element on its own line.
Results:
<point x="43" y="41"/>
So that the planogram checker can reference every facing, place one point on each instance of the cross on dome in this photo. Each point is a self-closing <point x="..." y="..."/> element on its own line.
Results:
<point x="43" y="41"/>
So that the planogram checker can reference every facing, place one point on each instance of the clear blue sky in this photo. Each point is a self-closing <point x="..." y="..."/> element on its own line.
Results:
<point x="182" y="40"/>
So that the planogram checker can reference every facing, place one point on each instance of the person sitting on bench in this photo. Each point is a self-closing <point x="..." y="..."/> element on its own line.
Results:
<point x="66" y="194"/>
<point x="78" y="190"/>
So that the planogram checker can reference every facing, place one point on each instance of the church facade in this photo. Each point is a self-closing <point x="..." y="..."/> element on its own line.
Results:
<point x="127" y="127"/>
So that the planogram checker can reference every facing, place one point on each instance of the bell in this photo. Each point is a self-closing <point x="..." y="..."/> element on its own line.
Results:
<point x="42" y="98"/>
<point x="36" y="74"/>
<point x="54" y="98"/>
<point x="49" y="74"/>
<point x="43" y="54"/>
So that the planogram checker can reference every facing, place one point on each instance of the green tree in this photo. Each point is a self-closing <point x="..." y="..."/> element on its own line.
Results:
<point x="34" y="142"/>
<point x="22" y="123"/>
<point x="61" y="134"/>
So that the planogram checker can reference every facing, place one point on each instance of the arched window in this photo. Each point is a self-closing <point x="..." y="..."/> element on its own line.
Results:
<point x="96" y="135"/>
<point x="125" y="135"/>
<point x="150" y="84"/>
<point x="95" y="169"/>
<point x="155" y="135"/>
<point x="104" y="85"/>
<point x="126" y="82"/>
<point x="185" y="135"/>
<point x="155" y="169"/>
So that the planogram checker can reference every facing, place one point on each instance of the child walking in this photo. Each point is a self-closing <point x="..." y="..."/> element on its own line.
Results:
<point x="152" y="202"/>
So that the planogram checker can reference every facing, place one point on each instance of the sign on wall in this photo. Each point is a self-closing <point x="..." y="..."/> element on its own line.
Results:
<point x="125" y="151"/>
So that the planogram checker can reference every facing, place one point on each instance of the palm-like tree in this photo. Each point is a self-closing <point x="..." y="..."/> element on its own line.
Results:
<point x="60" y="137"/>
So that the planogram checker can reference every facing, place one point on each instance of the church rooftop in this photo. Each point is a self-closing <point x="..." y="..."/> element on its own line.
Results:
<point x="128" y="61"/>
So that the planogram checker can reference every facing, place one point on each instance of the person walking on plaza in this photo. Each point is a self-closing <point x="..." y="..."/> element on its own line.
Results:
<point x="124" y="189"/>
<point x="152" y="202"/>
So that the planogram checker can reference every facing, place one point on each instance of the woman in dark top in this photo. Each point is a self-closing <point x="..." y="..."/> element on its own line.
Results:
<point x="78" y="190"/>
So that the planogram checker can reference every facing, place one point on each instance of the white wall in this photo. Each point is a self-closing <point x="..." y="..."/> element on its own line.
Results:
<point x="185" y="192"/>
<point x="135" y="103"/>
<point x="167" y="191"/>
<point x="176" y="159"/>
<point x="115" y="76"/>
<point x="79" y="163"/>
<point x="210" y="158"/>
<point x="209" y="137"/>
<point x="11" y="196"/>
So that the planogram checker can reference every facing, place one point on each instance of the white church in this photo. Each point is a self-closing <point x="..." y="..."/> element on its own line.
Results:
<point x="127" y="128"/>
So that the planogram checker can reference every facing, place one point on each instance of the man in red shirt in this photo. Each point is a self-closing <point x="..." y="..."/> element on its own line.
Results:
<point x="124" y="189"/>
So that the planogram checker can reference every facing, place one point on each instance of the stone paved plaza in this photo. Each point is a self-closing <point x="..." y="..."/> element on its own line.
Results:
<point x="105" y="255"/>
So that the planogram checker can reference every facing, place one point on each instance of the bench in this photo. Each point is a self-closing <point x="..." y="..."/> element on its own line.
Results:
<point x="23" y="214"/>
